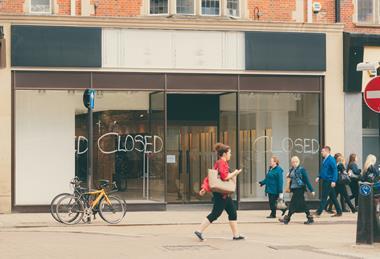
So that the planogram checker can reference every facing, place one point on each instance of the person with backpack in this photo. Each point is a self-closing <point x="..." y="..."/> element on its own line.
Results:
<point x="299" y="183"/>
<point x="221" y="201"/>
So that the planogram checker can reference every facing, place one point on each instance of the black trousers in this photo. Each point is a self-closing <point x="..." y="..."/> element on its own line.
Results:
<point x="298" y="203"/>
<point x="327" y="191"/>
<point x="354" y="186"/>
<point x="220" y="204"/>
<point x="341" y="190"/>
<point x="272" y="203"/>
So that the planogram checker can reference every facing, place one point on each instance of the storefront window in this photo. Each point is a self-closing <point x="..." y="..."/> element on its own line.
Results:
<point x="280" y="124"/>
<point x="371" y="137"/>
<point x="52" y="144"/>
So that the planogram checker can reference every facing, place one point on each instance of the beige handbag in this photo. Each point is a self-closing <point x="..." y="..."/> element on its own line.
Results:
<point x="218" y="185"/>
<point x="287" y="186"/>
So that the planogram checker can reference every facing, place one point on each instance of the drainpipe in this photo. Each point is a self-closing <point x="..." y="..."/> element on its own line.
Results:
<point x="72" y="7"/>
<point x="309" y="11"/>
<point x="337" y="10"/>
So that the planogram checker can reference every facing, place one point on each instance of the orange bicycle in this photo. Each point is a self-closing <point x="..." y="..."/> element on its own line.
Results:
<point x="71" y="209"/>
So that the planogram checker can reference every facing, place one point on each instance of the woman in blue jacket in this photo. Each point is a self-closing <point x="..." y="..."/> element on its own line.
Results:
<point x="273" y="184"/>
<point x="299" y="183"/>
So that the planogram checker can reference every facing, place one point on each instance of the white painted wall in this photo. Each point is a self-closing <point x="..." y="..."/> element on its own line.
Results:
<point x="45" y="130"/>
<point x="166" y="49"/>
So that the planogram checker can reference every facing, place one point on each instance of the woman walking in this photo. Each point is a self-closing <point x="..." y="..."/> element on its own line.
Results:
<point x="354" y="173"/>
<point x="221" y="201"/>
<point x="343" y="181"/>
<point x="370" y="172"/>
<point x="273" y="184"/>
<point x="299" y="181"/>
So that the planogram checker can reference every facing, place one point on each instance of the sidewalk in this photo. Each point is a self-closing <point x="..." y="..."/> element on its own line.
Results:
<point x="170" y="217"/>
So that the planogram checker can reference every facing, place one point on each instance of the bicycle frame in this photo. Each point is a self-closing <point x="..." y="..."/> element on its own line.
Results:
<point x="99" y="195"/>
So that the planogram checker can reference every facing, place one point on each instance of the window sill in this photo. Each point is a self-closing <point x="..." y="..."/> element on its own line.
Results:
<point x="367" y="25"/>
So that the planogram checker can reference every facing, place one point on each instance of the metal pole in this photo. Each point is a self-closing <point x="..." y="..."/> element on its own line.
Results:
<point x="90" y="155"/>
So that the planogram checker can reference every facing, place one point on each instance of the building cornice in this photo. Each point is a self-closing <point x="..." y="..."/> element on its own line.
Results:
<point x="169" y="23"/>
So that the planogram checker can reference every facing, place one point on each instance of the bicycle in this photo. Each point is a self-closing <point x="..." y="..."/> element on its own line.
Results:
<point x="77" y="190"/>
<point x="71" y="209"/>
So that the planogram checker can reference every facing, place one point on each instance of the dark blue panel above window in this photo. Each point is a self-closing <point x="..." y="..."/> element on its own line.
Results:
<point x="47" y="46"/>
<point x="288" y="51"/>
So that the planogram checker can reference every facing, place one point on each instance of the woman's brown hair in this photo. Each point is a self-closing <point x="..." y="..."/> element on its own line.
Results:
<point x="220" y="149"/>
<point x="352" y="158"/>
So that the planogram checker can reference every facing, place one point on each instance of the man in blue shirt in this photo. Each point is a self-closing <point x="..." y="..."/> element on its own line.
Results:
<point x="328" y="175"/>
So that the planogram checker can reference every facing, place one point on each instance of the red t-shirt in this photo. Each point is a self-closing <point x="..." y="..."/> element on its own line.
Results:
<point x="223" y="169"/>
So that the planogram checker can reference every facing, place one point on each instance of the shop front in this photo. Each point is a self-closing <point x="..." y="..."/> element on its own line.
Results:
<point x="161" y="106"/>
<point x="157" y="143"/>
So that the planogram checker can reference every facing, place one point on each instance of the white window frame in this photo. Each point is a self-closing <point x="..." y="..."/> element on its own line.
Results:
<point x="49" y="12"/>
<point x="376" y="13"/>
<point x="159" y="14"/>
<point x="222" y="3"/>
<point x="190" y="14"/>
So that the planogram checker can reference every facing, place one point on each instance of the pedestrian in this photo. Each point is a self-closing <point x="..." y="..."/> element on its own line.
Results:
<point x="328" y="175"/>
<point x="329" y="205"/>
<point x="221" y="201"/>
<point x="354" y="173"/>
<point x="341" y="185"/>
<point x="370" y="172"/>
<point x="273" y="184"/>
<point x="299" y="183"/>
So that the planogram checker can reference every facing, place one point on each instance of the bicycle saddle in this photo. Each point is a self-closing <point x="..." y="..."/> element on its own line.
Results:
<point x="103" y="183"/>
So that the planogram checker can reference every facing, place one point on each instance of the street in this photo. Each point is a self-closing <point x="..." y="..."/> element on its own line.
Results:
<point x="169" y="234"/>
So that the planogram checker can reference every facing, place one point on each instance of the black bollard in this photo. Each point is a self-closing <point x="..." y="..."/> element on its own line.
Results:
<point x="365" y="222"/>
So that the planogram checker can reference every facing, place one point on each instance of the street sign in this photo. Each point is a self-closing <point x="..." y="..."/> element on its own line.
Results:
<point x="372" y="94"/>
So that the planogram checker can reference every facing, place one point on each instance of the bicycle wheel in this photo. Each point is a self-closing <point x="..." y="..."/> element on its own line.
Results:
<point x="53" y="205"/>
<point x="70" y="210"/>
<point x="112" y="212"/>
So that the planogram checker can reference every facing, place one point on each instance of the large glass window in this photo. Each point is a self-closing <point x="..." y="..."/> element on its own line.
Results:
<point x="40" y="6"/>
<point x="371" y="133"/>
<point x="365" y="9"/>
<point x="210" y="7"/>
<point x="52" y="143"/>
<point x="159" y="7"/>
<point x="280" y="124"/>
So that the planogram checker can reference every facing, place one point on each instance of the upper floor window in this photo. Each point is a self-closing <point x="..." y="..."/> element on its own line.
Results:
<point x="368" y="11"/>
<point x="195" y="7"/>
<point x="40" y="6"/>
<point x="185" y="7"/>
<point x="159" y="7"/>
<point x="233" y="8"/>
<point x="210" y="7"/>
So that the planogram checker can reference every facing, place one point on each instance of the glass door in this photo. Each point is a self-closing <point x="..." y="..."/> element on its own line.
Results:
<point x="189" y="156"/>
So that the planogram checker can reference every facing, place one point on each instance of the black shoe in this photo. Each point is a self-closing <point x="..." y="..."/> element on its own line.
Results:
<point x="271" y="217"/>
<point x="199" y="235"/>
<point x="354" y="211"/>
<point x="344" y="210"/>
<point x="238" y="238"/>
<point x="309" y="221"/>
<point x="330" y="211"/>
<point x="337" y="215"/>
<point x="286" y="222"/>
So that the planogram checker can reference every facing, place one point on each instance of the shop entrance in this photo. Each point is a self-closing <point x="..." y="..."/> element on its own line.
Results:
<point x="194" y="125"/>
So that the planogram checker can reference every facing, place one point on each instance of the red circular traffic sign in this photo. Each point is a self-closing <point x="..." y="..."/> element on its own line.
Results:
<point x="372" y="94"/>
